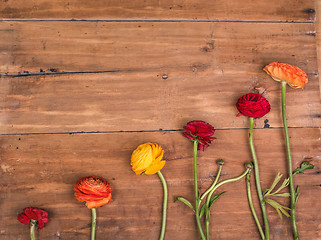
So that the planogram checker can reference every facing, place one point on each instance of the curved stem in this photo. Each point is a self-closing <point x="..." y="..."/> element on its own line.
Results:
<point x="32" y="230"/>
<point x="93" y="223"/>
<point x="257" y="182"/>
<point x="197" y="197"/>
<point x="288" y="150"/>
<point x="213" y="184"/>
<point x="248" y="190"/>
<point x="161" y="237"/>
<point x="223" y="182"/>
<point x="210" y="195"/>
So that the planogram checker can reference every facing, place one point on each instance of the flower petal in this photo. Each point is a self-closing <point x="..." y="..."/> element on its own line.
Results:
<point x="99" y="203"/>
<point x="293" y="75"/>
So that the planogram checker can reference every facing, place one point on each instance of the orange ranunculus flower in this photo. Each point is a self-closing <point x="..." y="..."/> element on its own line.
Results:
<point x="95" y="191"/>
<point x="147" y="158"/>
<point x="293" y="75"/>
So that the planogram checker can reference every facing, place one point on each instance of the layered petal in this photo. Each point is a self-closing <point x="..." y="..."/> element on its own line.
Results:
<point x="202" y="131"/>
<point x="253" y="105"/>
<point x="38" y="215"/>
<point x="147" y="158"/>
<point x="95" y="191"/>
<point x="293" y="75"/>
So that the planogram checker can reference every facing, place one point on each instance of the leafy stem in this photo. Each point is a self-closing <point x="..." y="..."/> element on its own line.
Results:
<point x="305" y="165"/>
<point x="269" y="192"/>
<point x="213" y="184"/>
<point x="210" y="200"/>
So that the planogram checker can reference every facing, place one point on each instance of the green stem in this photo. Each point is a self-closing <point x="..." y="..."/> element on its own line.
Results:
<point x="257" y="182"/>
<point x="207" y="223"/>
<point x="211" y="193"/>
<point x="213" y="184"/>
<point x="197" y="197"/>
<point x="93" y="223"/>
<point x="248" y="190"/>
<point x="207" y="215"/>
<point x="288" y="150"/>
<point x="223" y="182"/>
<point x="161" y="237"/>
<point x="32" y="230"/>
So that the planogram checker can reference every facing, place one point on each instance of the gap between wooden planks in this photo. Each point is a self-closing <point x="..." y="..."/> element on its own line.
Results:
<point x="275" y="10"/>
<point x="41" y="170"/>
<point x="156" y="77"/>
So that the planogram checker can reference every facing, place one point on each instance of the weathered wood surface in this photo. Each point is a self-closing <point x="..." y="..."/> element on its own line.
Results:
<point x="162" y="47"/>
<point x="78" y="96"/>
<point x="286" y="10"/>
<point x="144" y="101"/>
<point x="318" y="35"/>
<point x="137" y="199"/>
<point x="197" y="72"/>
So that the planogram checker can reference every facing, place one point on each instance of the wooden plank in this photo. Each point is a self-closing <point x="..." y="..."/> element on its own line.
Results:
<point x="40" y="171"/>
<point x="285" y="10"/>
<point x="144" y="101"/>
<point x="177" y="74"/>
<point x="318" y="37"/>
<point x="158" y="46"/>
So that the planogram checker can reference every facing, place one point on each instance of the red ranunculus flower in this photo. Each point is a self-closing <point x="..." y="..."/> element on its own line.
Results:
<point x="201" y="131"/>
<point x="95" y="191"/>
<point x="253" y="105"/>
<point x="36" y="214"/>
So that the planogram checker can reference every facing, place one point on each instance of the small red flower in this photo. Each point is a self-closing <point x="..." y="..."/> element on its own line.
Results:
<point x="201" y="131"/>
<point x="253" y="105"/>
<point x="35" y="214"/>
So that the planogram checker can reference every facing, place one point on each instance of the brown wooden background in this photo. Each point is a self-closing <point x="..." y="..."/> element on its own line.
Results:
<point x="85" y="82"/>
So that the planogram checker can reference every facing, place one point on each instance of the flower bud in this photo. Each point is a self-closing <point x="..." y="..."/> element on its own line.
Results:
<point x="220" y="162"/>
<point x="249" y="165"/>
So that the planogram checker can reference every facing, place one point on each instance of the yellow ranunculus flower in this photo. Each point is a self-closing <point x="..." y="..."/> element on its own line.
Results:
<point x="147" y="158"/>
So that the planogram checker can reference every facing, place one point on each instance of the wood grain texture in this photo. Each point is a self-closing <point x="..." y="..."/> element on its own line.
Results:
<point x="285" y="10"/>
<point x="77" y="97"/>
<point x="40" y="171"/>
<point x="318" y="35"/>
<point x="196" y="72"/>
<point x="56" y="47"/>
<point x="143" y="101"/>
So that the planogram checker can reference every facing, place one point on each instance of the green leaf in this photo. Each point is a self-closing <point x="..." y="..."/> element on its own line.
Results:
<point x="304" y="166"/>
<point x="213" y="199"/>
<point x="284" y="184"/>
<point x="275" y="182"/>
<point x="203" y="210"/>
<point x="183" y="200"/>
<point x="297" y="194"/>
<point x="278" y="207"/>
<point x="282" y="195"/>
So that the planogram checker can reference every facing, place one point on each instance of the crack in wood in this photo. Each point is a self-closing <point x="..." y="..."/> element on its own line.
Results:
<point x="155" y="20"/>
<point x="139" y="131"/>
